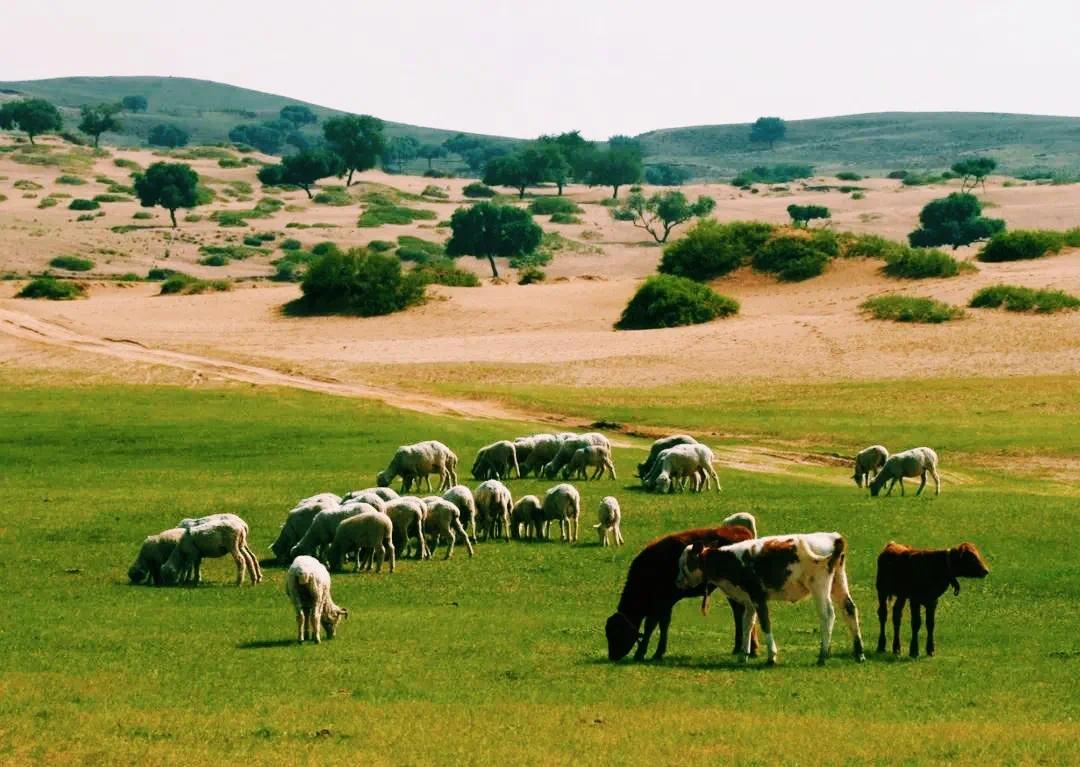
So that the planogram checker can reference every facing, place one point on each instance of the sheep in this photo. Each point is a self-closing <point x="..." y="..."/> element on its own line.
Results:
<point x="408" y="515"/>
<point x="538" y="450"/>
<point x="154" y="553"/>
<point x="569" y="446"/>
<point x="462" y="497"/>
<point x="493" y="506"/>
<point x="682" y="462"/>
<point x="417" y="462"/>
<point x="495" y="461"/>
<point x="910" y="463"/>
<point x="322" y="499"/>
<point x="610" y="519"/>
<point x="742" y="519"/>
<point x="320" y="533"/>
<point x="223" y="534"/>
<point x="593" y="456"/>
<point x="371" y="534"/>
<point x="645" y="467"/>
<point x="868" y="462"/>
<point x="523" y="447"/>
<point x="444" y="520"/>
<point x="364" y="496"/>
<point x="524" y="513"/>
<point x="562" y="502"/>
<point x="297" y="523"/>
<point x="307" y="584"/>
<point x="921" y="576"/>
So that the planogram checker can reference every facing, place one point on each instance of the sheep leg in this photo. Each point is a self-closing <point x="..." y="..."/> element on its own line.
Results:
<point x="931" y="611"/>
<point x="897" y="621"/>
<point x="256" y="568"/>
<point x="610" y="466"/>
<point x="393" y="555"/>
<point x="892" y="484"/>
<point x="241" y="566"/>
<point x="316" y="620"/>
<point x="916" y="624"/>
<point x="646" y="635"/>
<point x="453" y="539"/>
<point x="922" y="484"/>
<point x="301" y="624"/>
<point x="901" y="487"/>
<point x="378" y="553"/>
<point x="661" y="645"/>
<point x="460" y="529"/>
<point x="937" y="480"/>
<point x="618" y="535"/>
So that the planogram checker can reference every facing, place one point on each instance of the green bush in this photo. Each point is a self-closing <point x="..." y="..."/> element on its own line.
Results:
<point x="231" y="252"/>
<point x="910" y="309"/>
<point x="179" y="283"/>
<point x="920" y="263"/>
<point x="111" y="198"/>
<point x="666" y="301"/>
<point x="80" y="204"/>
<point x="47" y="202"/>
<point x="142" y="215"/>
<point x="1072" y="237"/>
<point x="858" y="196"/>
<point x="546" y="206"/>
<point x="52" y="289"/>
<point x="416" y="255"/>
<point x="624" y="214"/>
<point x="535" y="259"/>
<point x="335" y="198"/>
<point x="158" y="273"/>
<point x="1021" y="244"/>
<point x="530" y="275"/>
<point x="443" y="271"/>
<point x="868" y="246"/>
<point x="287" y="271"/>
<point x="121" y="162"/>
<point x="898" y="175"/>
<point x="290" y="244"/>
<point x="436" y="173"/>
<point x="711" y="249"/>
<point x="214" y="260"/>
<point x="72" y="263"/>
<point x="229" y="162"/>
<point x="847" y="175"/>
<point x="380" y="246"/>
<point x="377" y="215"/>
<point x="1020" y="299"/>
<point x="252" y="240"/>
<point x="791" y="258"/>
<point x="429" y="247"/>
<point x="773" y="174"/>
<point x="86" y="217"/>
<point x="434" y="191"/>
<point x="564" y="218"/>
<point x="358" y="282"/>
<point x="322" y="248"/>
<point x="476" y="189"/>
<point x="70" y="180"/>
<point x="27" y="185"/>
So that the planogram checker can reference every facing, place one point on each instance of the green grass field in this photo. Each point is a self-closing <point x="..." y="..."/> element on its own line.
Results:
<point x="501" y="658"/>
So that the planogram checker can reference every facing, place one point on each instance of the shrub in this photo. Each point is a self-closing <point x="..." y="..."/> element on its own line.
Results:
<point x="287" y="271"/>
<point x="435" y="173"/>
<point x="111" y="198"/>
<point x="433" y="191"/>
<point x="868" y="246"/>
<point x="910" y="309"/>
<point x="546" y="206"/>
<point x="623" y="214"/>
<point x="47" y="202"/>
<point x="70" y="180"/>
<point x="1072" y="237"/>
<point x="858" y="196"/>
<point x="564" y="218"/>
<point x="476" y="189"/>
<point x="954" y="220"/>
<point x="128" y="277"/>
<point x="358" y="282"/>
<point x="847" y="175"/>
<point x="443" y="271"/>
<point x="216" y="259"/>
<point x="528" y="260"/>
<point x="72" y="263"/>
<point x="380" y="246"/>
<point x="52" y="289"/>
<point x="80" y="204"/>
<point x="336" y="198"/>
<point x="711" y="249"/>
<point x="377" y="215"/>
<point x="920" y="263"/>
<point x="666" y="301"/>
<point x="229" y="162"/>
<point x="159" y="273"/>
<point x="1020" y="299"/>
<point x="416" y="244"/>
<point x="290" y="244"/>
<point x="179" y="283"/>
<point x="530" y="274"/>
<point x="773" y="174"/>
<point x="1021" y="244"/>
<point x="142" y="215"/>
<point x="86" y="217"/>
<point x="27" y="185"/>
<point x="252" y="240"/>
<point x="322" y="248"/>
<point x="898" y="175"/>
<point x="122" y="162"/>
<point x="792" y="258"/>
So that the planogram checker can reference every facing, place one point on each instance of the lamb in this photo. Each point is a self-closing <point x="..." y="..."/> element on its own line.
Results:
<point x="539" y="449"/>
<point x="910" y="463"/>
<point x="320" y="534"/>
<point x="462" y="497"/>
<point x="562" y="502"/>
<point x="223" y="534"/>
<point x="571" y="445"/>
<point x="154" y="553"/>
<point x="493" y="506"/>
<point x="921" y="577"/>
<point x="297" y="523"/>
<point x="524" y="514"/>
<point x="742" y="519"/>
<point x="495" y="461"/>
<point x="407" y="515"/>
<point x="868" y="462"/>
<point x="645" y="467"/>
<point x="610" y="519"/>
<point x="371" y="534"/>
<point x="683" y="462"/>
<point x="444" y="520"/>
<point x="593" y="456"/>
<point x="417" y="462"/>
<point x="307" y="584"/>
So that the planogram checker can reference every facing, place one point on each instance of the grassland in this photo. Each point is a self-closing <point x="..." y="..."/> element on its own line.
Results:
<point x="500" y="659"/>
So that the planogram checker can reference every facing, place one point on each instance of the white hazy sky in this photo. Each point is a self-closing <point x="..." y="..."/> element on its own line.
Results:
<point x="602" y="66"/>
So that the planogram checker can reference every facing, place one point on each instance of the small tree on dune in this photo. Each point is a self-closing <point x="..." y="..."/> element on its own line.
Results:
<point x="32" y="116"/>
<point x="431" y="152"/>
<point x="954" y="220"/>
<point x="519" y="170"/>
<point x="134" y="103"/>
<point x="768" y="130"/>
<point x="302" y="169"/>
<point x="170" y="136"/>
<point x="662" y="212"/>
<point x="357" y="140"/>
<point x="100" y="119"/>
<point x="975" y="170"/>
<point x="617" y="165"/>
<point x="802" y="215"/>
<point x="399" y="150"/>
<point x="171" y="185"/>
<point x="487" y="230"/>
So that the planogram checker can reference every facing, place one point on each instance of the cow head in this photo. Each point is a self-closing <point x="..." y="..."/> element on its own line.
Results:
<point x="622" y="635"/>
<point x="966" y="562"/>
<point x="690" y="567"/>
<point x="136" y="574"/>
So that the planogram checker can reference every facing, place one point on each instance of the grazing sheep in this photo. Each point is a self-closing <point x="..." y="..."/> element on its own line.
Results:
<point x="493" y="506"/>
<point x="523" y="447"/>
<point x="189" y="522"/>
<point x="320" y="533"/>
<point x="524" y="513"/>
<point x="370" y="534"/>
<point x="408" y="514"/>
<point x="868" y="462"/>
<point x="222" y="534"/>
<point x="298" y="521"/>
<point x="155" y="552"/>
<point x="443" y="520"/>
<point x="910" y="463"/>
<point x="418" y="462"/>
<point x="364" y="496"/>
<point x="645" y="467"/>
<point x="593" y="456"/>
<point x="562" y="502"/>
<point x="571" y="445"/>
<point x="496" y="461"/>
<point x="322" y="499"/>
<point x="683" y="462"/>
<point x="539" y="449"/>
<point x="921" y="577"/>
<point x="462" y="497"/>
<point x="307" y="584"/>
<point x="610" y="519"/>
<point x="742" y="519"/>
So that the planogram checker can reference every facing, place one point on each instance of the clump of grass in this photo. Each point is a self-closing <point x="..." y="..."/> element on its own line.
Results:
<point x="111" y="198"/>
<point x="530" y="275"/>
<point x="478" y="190"/>
<point x="416" y="249"/>
<point x="1022" y="244"/>
<point x="122" y="162"/>
<point x="47" y="202"/>
<point x="381" y="246"/>
<point x="920" y="263"/>
<point x="86" y="217"/>
<point x="27" y="185"/>
<point x="290" y="244"/>
<point x="847" y="175"/>
<point x="179" y="283"/>
<point x="546" y="206"/>
<point x="222" y="254"/>
<point x="70" y="180"/>
<point x="142" y="215"/>
<point x="901" y="308"/>
<point x="381" y="211"/>
<point x="158" y="273"/>
<point x="72" y="263"/>
<point x="333" y="197"/>
<point x="1020" y="299"/>
<point x="434" y="192"/>
<point x="82" y="204"/>
<point x="564" y="218"/>
<point x="443" y="271"/>
<point x="214" y="260"/>
<point x="666" y="301"/>
<point x="52" y="289"/>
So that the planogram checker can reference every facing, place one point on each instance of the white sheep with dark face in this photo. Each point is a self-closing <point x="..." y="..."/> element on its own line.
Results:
<point x="562" y="503"/>
<point x="307" y="584"/>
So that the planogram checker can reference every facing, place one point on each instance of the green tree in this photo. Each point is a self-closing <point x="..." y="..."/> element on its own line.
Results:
<point x="171" y="185"/>
<point x="520" y="170"/>
<point x="431" y="152"/>
<point x="487" y="230"/>
<point x="266" y="138"/>
<point x="459" y="144"/>
<point x="568" y="156"/>
<point x="32" y="116"/>
<point x="974" y="170"/>
<point x="666" y="174"/>
<point x="298" y="115"/>
<point x="357" y="140"/>
<point x="662" y="212"/>
<point x="768" y="130"/>
<point x="306" y="167"/>
<point x="802" y="215"/>
<point x="954" y="220"/>
<point x="134" y="103"/>
<point x="358" y="282"/>
<point x="170" y="136"/>
<point x="478" y="157"/>
<point x="99" y="119"/>
<point x="399" y="150"/>
<point x="617" y="165"/>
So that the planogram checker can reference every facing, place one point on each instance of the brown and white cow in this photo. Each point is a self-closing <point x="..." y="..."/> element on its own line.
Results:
<point x="777" y="567"/>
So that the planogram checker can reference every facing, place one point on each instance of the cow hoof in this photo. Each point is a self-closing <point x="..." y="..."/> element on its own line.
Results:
<point x="770" y="662"/>
<point x="860" y="658"/>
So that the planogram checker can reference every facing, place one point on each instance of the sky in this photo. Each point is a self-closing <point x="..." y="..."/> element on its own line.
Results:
<point x="600" y="66"/>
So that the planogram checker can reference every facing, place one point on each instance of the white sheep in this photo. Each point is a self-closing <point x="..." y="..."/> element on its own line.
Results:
<point x="297" y="523"/>
<point x="443" y="520"/>
<point x="541" y="449"/>
<point x="493" y="506"/>
<point x="688" y="461"/>
<point x="370" y="534"/>
<point x="462" y="497"/>
<point x="414" y="463"/>
<point x="593" y="456"/>
<point x="569" y="446"/>
<point x="610" y="516"/>
<point x="408" y="515"/>
<point x="742" y="519"/>
<point x="320" y="533"/>
<point x="155" y="552"/>
<point x="916" y="462"/>
<point x="307" y="584"/>
<point x="562" y="502"/>
<point x="222" y="534"/>
<point x="868" y="462"/>
<point x="496" y="461"/>
<point x="364" y="496"/>
<point x="645" y="467"/>
<point x="526" y="513"/>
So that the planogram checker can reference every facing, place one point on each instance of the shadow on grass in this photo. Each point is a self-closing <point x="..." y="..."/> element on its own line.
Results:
<point x="265" y="644"/>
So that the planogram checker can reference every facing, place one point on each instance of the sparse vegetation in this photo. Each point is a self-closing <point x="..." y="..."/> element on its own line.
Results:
<point x="662" y="212"/>
<point x="1020" y="299"/>
<point x="666" y="301"/>
<point x="178" y="283"/>
<point x="72" y="263"/>
<point x="711" y="249"/>
<point x="80" y="204"/>
<point x="564" y="218"/>
<point x="356" y="282"/>
<point x="47" y="202"/>
<point x="791" y="258"/>
<point x="52" y="289"/>
<point x="530" y="275"/>
<point x="443" y="271"/>
<point x="477" y="189"/>
<point x="1022" y="244"/>
<point x="166" y="135"/>
<point x="772" y="174"/>
<point x="921" y="263"/>
<point x="802" y="215"/>
<point x="70" y="180"/>
<point x="434" y="192"/>
<point x="847" y="175"/>
<point x="548" y="205"/>
<point x="142" y="215"/>
<point x="900" y="308"/>
<point x="954" y="220"/>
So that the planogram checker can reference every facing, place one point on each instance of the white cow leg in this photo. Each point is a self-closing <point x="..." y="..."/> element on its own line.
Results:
<point x="828" y="619"/>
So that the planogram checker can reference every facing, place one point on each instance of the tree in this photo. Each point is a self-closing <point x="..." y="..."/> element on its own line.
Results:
<point x="32" y="116"/>
<point x="487" y="230"/>
<point x="460" y="144"/>
<point x="99" y="119"/>
<point x="357" y="140"/>
<point x="662" y="212"/>
<point x="619" y="164"/>
<point x="478" y="157"/>
<point x="665" y="174"/>
<point x="298" y="115"/>
<point x="802" y="215"/>
<point x="265" y="137"/>
<point x="170" y="136"/>
<point x="399" y="150"/>
<point x="358" y="282"/>
<point x="554" y="165"/>
<point x="171" y="185"/>
<point x="520" y="170"/>
<point x="568" y="156"/>
<point x="431" y="152"/>
<point x="954" y="220"/>
<point x="134" y="103"/>
<point x="975" y="170"/>
<point x="768" y="130"/>
<point x="302" y="169"/>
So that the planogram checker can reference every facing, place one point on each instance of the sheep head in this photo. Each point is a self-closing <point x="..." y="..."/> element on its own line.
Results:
<point x="383" y="479"/>
<point x="332" y="617"/>
<point x="136" y="574"/>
